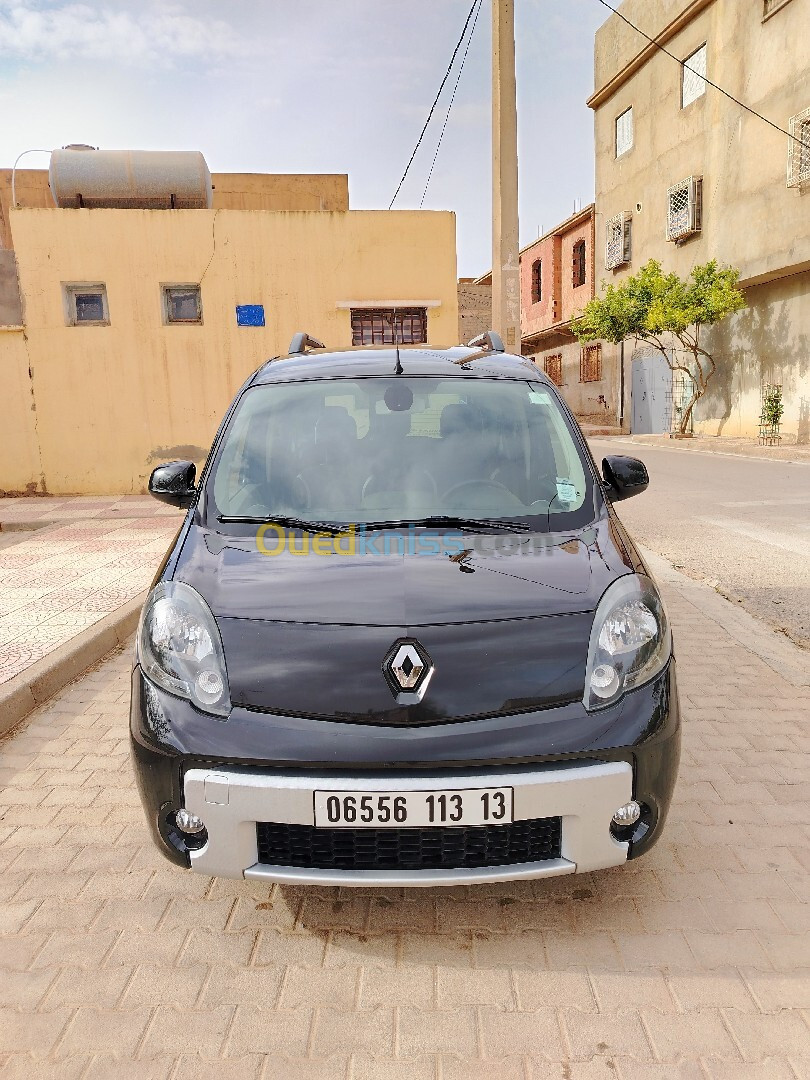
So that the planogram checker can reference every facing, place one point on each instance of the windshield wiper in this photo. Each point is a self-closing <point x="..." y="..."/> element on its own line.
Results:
<point x="286" y="523"/>
<point x="450" y="522"/>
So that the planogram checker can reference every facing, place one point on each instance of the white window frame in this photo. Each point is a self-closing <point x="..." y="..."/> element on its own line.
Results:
<point x="693" y="78"/>
<point x="692" y="189"/>
<point x="166" y="289"/>
<point x="73" y="289"/>
<point x="799" y="155"/>
<point x="618" y="240"/>
<point x="624" y="147"/>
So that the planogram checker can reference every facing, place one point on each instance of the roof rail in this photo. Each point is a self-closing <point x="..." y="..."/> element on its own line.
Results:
<point x="491" y="341"/>
<point x="302" y="342"/>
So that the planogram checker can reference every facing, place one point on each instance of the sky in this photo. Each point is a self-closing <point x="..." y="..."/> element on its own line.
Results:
<point x="310" y="86"/>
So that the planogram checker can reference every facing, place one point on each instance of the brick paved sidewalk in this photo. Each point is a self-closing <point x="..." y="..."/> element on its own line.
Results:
<point x="67" y="563"/>
<point x="691" y="963"/>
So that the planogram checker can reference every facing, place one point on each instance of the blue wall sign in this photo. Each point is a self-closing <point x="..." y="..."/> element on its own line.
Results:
<point x="250" y="314"/>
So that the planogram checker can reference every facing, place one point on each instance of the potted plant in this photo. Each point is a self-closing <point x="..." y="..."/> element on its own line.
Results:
<point x="773" y="409"/>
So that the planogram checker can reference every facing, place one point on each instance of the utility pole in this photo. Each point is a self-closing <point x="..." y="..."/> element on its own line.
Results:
<point x="505" y="264"/>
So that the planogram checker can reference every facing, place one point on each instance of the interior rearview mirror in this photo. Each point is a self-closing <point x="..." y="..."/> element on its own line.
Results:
<point x="624" y="477"/>
<point x="173" y="483"/>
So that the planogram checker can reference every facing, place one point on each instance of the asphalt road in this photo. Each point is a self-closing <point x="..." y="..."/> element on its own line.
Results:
<point x="739" y="524"/>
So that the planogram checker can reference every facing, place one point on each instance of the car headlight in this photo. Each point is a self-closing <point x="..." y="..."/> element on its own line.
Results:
<point x="630" y="641"/>
<point x="180" y="649"/>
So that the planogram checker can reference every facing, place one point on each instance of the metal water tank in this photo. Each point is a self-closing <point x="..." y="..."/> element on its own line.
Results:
<point x="130" y="179"/>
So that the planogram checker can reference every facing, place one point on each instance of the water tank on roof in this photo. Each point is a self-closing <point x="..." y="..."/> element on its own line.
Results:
<point x="130" y="179"/>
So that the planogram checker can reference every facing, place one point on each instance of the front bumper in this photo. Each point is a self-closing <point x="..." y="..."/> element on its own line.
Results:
<point x="273" y="763"/>
<point x="231" y="802"/>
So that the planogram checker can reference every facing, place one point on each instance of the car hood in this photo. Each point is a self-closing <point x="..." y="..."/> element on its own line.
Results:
<point x="505" y="620"/>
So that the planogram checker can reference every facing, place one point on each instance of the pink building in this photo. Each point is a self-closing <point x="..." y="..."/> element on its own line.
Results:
<point x="556" y="282"/>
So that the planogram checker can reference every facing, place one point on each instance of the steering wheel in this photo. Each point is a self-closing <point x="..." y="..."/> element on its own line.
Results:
<point x="496" y="484"/>
<point x="372" y="484"/>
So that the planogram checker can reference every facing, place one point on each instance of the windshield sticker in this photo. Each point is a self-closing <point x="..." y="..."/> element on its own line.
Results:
<point x="566" y="491"/>
<point x="538" y="399"/>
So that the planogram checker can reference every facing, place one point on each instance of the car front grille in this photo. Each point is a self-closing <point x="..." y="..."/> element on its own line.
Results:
<point x="537" y="840"/>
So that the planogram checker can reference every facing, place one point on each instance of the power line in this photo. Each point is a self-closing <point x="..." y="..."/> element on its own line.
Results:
<point x="682" y="63"/>
<point x="452" y="99"/>
<point x="435" y="100"/>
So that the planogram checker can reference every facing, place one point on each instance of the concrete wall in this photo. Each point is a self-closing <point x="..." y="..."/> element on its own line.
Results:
<point x="112" y="401"/>
<point x="474" y="310"/>
<point x="20" y="465"/>
<point x="751" y="219"/>
<point x="232" y="191"/>
<point x="10" y="301"/>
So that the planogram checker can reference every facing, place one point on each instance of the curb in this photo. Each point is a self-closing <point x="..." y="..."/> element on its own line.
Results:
<point x="38" y="683"/>
<point x="639" y="443"/>
<point x="773" y="648"/>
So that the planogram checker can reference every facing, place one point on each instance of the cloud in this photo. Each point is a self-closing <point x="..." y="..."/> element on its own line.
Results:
<point x="159" y="33"/>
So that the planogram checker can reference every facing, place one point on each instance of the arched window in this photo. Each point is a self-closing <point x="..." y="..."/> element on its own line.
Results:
<point x="579" y="263"/>
<point x="537" y="281"/>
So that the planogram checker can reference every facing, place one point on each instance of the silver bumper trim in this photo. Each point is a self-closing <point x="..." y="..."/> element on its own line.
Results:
<point x="231" y="801"/>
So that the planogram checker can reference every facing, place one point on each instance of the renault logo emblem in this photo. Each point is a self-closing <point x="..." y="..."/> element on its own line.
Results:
<point x="408" y="669"/>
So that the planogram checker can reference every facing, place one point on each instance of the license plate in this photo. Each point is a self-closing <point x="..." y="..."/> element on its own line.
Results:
<point x="412" y="809"/>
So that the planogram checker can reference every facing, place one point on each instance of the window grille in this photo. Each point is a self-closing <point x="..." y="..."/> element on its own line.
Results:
<point x="618" y="240"/>
<point x="799" y="151"/>
<point x="552" y="365"/>
<point x="624" y="132"/>
<point x="374" y="326"/>
<point x="537" y="281"/>
<point x="685" y="209"/>
<point x="579" y="264"/>
<point x="590" y="364"/>
<point x="694" y="77"/>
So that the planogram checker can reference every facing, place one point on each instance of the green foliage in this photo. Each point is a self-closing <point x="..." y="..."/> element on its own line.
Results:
<point x="652" y="303"/>
<point x="773" y="408"/>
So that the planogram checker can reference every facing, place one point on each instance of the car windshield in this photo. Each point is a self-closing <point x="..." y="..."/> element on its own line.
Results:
<point x="401" y="449"/>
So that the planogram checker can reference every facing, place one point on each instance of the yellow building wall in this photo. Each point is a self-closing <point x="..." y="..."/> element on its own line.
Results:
<point x="20" y="469"/>
<point x="281" y="191"/>
<point x="113" y="401"/>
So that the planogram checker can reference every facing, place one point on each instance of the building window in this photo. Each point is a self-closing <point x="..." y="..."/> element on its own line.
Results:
<point x="694" y="77"/>
<point x="580" y="251"/>
<point x="618" y="248"/>
<point x="590" y="364"/>
<point x="685" y="209"/>
<point x="86" y="305"/>
<point x="770" y="7"/>
<point x="624" y="132"/>
<point x="182" y="304"/>
<point x="375" y="326"/>
<point x="799" y="150"/>
<point x="552" y="365"/>
<point x="537" y="281"/>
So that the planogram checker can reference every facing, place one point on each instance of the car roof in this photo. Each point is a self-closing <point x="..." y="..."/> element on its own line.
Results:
<point x="371" y="362"/>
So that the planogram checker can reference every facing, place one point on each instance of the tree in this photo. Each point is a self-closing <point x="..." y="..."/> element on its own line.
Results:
<point x="652" y="305"/>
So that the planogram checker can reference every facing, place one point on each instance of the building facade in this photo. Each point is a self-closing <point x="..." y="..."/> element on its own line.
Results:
<point x="134" y="328"/>
<point x="685" y="175"/>
<point x="557" y="277"/>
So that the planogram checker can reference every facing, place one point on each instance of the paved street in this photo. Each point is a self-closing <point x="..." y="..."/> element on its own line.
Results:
<point x="692" y="963"/>
<point x="740" y="524"/>
<point x="66" y="563"/>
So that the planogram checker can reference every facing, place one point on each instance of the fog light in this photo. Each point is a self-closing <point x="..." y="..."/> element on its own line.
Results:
<point x="627" y="814"/>
<point x="604" y="680"/>
<point x="189" y="823"/>
<point x="210" y="686"/>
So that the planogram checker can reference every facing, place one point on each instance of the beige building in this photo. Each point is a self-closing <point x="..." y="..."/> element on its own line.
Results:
<point x="684" y="175"/>
<point x="136" y="327"/>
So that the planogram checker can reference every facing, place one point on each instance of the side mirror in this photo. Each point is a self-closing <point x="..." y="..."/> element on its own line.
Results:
<point x="625" y="477"/>
<point x="173" y="483"/>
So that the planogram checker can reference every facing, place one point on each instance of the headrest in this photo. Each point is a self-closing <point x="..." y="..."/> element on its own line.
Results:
<point x="454" y="420"/>
<point x="335" y="425"/>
